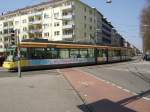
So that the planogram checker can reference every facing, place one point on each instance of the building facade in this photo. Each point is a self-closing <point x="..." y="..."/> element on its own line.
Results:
<point x="69" y="20"/>
<point x="62" y="20"/>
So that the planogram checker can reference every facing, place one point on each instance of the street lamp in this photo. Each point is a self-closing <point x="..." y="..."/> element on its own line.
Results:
<point x="108" y="1"/>
<point x="145" y="25"/>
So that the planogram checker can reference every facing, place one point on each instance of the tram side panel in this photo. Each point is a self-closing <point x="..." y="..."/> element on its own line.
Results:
<point x="114" y="55"/>
<point x="53" y="57"/>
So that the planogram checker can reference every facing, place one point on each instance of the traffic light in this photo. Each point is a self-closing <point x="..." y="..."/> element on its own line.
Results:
<point x="13" y="37"/>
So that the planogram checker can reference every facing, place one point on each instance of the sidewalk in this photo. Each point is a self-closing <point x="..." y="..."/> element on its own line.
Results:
<point x="100" y="96"/>
<point x="38" y="93"/>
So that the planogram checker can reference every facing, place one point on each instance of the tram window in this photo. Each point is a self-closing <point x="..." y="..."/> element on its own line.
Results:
<point x="38" y="53"/>
<point x="102" y="53"/>
<point x="74" y="53"/>
<point x="110" y="53"/>
<point x="117" y="52"/>
<point x="24" y="54"/>
<point x="123" y="52"/>
<point x="91" y="53"/>
<point x="64" y="53"/>
<point x="84" y="53"/>
<point x="51" y="53"/>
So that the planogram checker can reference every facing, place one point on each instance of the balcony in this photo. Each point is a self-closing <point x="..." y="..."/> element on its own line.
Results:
<point x="67" y="36"/>
<point x="35" y="22"/>
<point x="69" y="6"/>
<point x="35" y="14"/>
<point x="7" y="35"/>
<point x="35" y="19"/>
<point x="68" y="16"/>
<point x="68" y="26"/>
<point x="35" y="31"/>
<point x="35" y="35"/>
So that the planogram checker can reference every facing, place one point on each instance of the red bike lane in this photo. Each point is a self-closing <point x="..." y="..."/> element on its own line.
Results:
<point x="103" y="97"/>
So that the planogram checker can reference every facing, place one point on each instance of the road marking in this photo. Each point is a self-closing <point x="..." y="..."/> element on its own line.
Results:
<point x="118" y="69"/>
<point x="85" y="83"/>
<point x="107" y="82"/>
<point x="126" y="90"/>
<point x="113" y="84"/>
<point x="126" y="70"/>
<point x="3" y="70"/>
<point x="146" y="98"/>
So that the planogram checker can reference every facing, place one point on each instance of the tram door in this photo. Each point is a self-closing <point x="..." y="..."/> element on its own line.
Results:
<point x="102" y="55"/>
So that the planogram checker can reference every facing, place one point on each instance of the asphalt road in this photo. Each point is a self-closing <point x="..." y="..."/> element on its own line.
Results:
<point x="133" y="76"/>
<point x="38" y="91"/>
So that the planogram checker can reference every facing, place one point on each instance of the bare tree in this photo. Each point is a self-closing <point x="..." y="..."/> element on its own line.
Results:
<point x="145" y="27"/>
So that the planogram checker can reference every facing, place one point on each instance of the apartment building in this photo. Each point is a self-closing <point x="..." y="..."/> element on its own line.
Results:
<point x="56" y="20"/>
<point x="68" y="20"/>
<point x="117" y="39"/>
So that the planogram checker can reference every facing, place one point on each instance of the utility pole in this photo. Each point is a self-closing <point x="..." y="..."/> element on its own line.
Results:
<point x="18" y="53"/>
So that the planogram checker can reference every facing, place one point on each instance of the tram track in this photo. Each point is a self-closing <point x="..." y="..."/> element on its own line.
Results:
<point x="139" y="74"/>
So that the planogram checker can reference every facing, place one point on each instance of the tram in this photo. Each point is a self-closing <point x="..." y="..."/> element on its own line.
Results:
<point x="39" y="55"/>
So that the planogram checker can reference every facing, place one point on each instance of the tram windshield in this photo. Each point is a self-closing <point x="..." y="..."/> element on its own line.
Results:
<point x="11" y="54"/>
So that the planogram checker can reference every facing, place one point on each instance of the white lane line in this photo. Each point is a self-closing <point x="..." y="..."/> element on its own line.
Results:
<point x="107" y="82"/>
<point x="113" y="84"/>
<point x="119" y="87"/>
<point x="3" y="70"/>
<point x="126" y="90"/>
<point x="145" y="98"/>
<point x="117" y="69"/>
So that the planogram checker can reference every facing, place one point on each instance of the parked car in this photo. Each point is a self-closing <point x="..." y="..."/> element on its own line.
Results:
<point x="146" y="57"/>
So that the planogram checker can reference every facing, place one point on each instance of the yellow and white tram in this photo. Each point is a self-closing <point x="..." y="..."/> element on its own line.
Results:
<point x="38" y="55"/>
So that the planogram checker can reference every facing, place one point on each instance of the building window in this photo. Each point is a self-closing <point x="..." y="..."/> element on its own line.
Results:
<point x="67" y="3"/>
<point x="90" y="19"/>
<point x="68" y="32"/>
<point x="84" y="34"/>
<point x="90" y="11"/>
<point x="1" y="39"/>
<point x="11" y="23"/>
<point x="65" y="23"/>
<point x="24" y="21"/>
<point x="84" y="26"/>
<point x="46" y="15"/>
<point x="24" y="28"/>
<point x="45" y="26"/>
<point x="24" y="37"/>
<point x="90" y="27"/>
<point x="56" y="15"/>
<point x="84" y="17"/>
<point x="5" y="31"/>
<point x="94" y="21"/>
<point x="5" y="24"/>
<point x="46" y="34"/>
<point x="56" y="24"/>
<point x="85" y="9"/>
<point x="56" y="33"/>
<point x="16" y="22"/>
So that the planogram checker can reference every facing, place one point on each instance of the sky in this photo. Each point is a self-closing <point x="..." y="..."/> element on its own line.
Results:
<point x="123" y="14"/>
